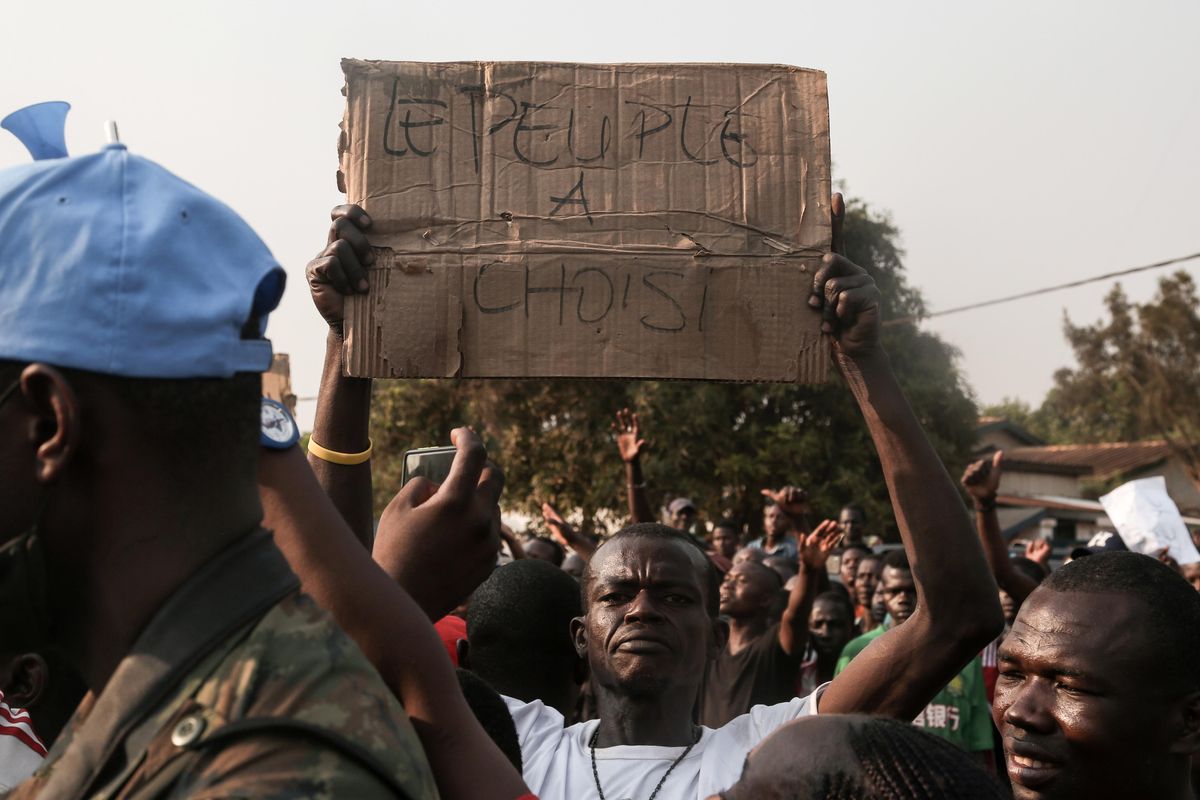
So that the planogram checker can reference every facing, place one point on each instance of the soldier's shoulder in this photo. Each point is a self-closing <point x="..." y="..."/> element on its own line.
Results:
<point x="294" y="661"/>
<point x="297" y="676"/>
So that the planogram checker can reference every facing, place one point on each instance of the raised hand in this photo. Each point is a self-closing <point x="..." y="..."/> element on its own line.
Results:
<point x="1038" y="550"/>
<point x="628" y="435"/>
<point x="982" y="478"/>
<point x="819" y="545"/>
<point x="792" y="500"/>
<point x="440" y="542"/>
<point x="340" y="269"/>
<point x="847" y="298"/>
<point x="559" y="527"/>
<point x="510" y="540"/>
<point x="563" y="533"/>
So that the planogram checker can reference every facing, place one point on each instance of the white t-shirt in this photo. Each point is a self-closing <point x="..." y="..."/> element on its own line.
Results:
<point x="21" y="751"/>
<point x="558" y="764"/>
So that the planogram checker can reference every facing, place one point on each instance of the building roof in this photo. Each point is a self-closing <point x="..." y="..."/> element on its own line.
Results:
<point x="1099" y="460"/>
<point x="990" y="424"/>
<point x="1018" y="518"/>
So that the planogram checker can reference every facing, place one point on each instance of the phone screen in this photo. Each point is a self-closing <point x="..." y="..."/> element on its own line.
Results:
<point x="431" y="463"/>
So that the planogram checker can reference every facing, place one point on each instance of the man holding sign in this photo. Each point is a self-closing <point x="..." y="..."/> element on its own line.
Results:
<point x="650" y="596"/>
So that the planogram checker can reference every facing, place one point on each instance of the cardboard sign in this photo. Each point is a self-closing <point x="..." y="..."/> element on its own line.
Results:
<point x="277" y="382"/>
<point x="583" y="220"/>
<point x="1148" y="519"/>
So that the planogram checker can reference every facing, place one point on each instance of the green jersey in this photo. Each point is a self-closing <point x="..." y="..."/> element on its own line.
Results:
<point x="959" y="713"/>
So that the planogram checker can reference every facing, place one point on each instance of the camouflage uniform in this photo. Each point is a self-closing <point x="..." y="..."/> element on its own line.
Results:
<point x="240" y="686"/>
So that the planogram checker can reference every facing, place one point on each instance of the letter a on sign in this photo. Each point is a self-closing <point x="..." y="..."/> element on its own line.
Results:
<point x="575" y="197"/>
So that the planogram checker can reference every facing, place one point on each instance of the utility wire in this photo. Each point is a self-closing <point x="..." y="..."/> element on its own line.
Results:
<point x="1010" y="298"/>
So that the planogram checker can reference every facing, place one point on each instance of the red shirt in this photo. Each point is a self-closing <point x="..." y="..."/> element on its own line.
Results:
<point x="451" y="629"/>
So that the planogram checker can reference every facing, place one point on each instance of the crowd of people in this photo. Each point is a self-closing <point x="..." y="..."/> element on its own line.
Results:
<point x="195" y="608"/>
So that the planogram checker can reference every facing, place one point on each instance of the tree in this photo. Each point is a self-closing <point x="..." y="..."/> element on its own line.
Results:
<point x="719" y="444"/>
<point x="1138" y="374"/>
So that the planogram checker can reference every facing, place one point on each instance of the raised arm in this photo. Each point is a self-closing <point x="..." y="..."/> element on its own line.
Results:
<point x="982" y="480"/>
<point x="958" y="610"/>
<point x="343" y="403"/>
<point x="630" y="444"/>
<point x="812" y="579"/>
<point x="566" y="534"/>
<point x="383" y="619"/>
<point x="514" y="545"/>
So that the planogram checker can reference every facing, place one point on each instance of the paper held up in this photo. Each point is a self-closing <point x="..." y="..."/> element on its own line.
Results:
<point x="1148" y="519"/>
<point x="588" y="220"/>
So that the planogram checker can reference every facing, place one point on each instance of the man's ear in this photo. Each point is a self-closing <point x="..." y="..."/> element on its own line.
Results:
<point x="579" y="636"/>
<point x="54" y="419"/>
<point x="1187" y="740"/>
<point x="462" y="649"/>
<point x="28" y="679"/>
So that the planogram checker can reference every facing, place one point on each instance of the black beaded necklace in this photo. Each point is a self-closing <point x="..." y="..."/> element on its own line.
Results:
<point x="670" y="769"/>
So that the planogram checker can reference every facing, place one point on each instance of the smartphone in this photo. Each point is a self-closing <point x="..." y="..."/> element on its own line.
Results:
<point x="431" y="463"/>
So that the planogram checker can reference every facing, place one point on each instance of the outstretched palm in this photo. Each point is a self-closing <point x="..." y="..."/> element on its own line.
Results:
<point x="819" y="545"/>
<point x="628" y="435"/>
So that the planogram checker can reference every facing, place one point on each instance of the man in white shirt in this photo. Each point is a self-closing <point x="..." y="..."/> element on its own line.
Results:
<point x="650" y="611"/>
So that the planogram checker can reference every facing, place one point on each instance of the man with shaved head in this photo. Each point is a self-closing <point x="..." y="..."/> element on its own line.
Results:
<point x="1099" y="692"/>
<point x="650" y="596"/>
<point x="651" y="599"/>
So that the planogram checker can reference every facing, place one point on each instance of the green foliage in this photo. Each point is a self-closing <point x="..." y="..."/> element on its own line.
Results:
<point x="719" y="444"/>
<point x="1138" y="374"/>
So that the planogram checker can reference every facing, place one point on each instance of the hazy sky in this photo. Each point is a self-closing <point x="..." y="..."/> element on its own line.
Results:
<point x="1016" y="144"/>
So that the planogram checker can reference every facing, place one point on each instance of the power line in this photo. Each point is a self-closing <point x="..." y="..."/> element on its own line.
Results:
<point x="1010" y="298"/>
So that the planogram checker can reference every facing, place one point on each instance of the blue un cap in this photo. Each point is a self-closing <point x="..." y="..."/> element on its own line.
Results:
<point x="111" y="264"/>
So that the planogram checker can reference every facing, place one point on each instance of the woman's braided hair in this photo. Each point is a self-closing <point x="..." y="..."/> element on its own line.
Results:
<point x="888" y="760"/>
<point x="901" y="762"/>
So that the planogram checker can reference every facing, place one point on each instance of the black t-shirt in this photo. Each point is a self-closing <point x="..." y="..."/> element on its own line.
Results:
<point x="760" y="674"/>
